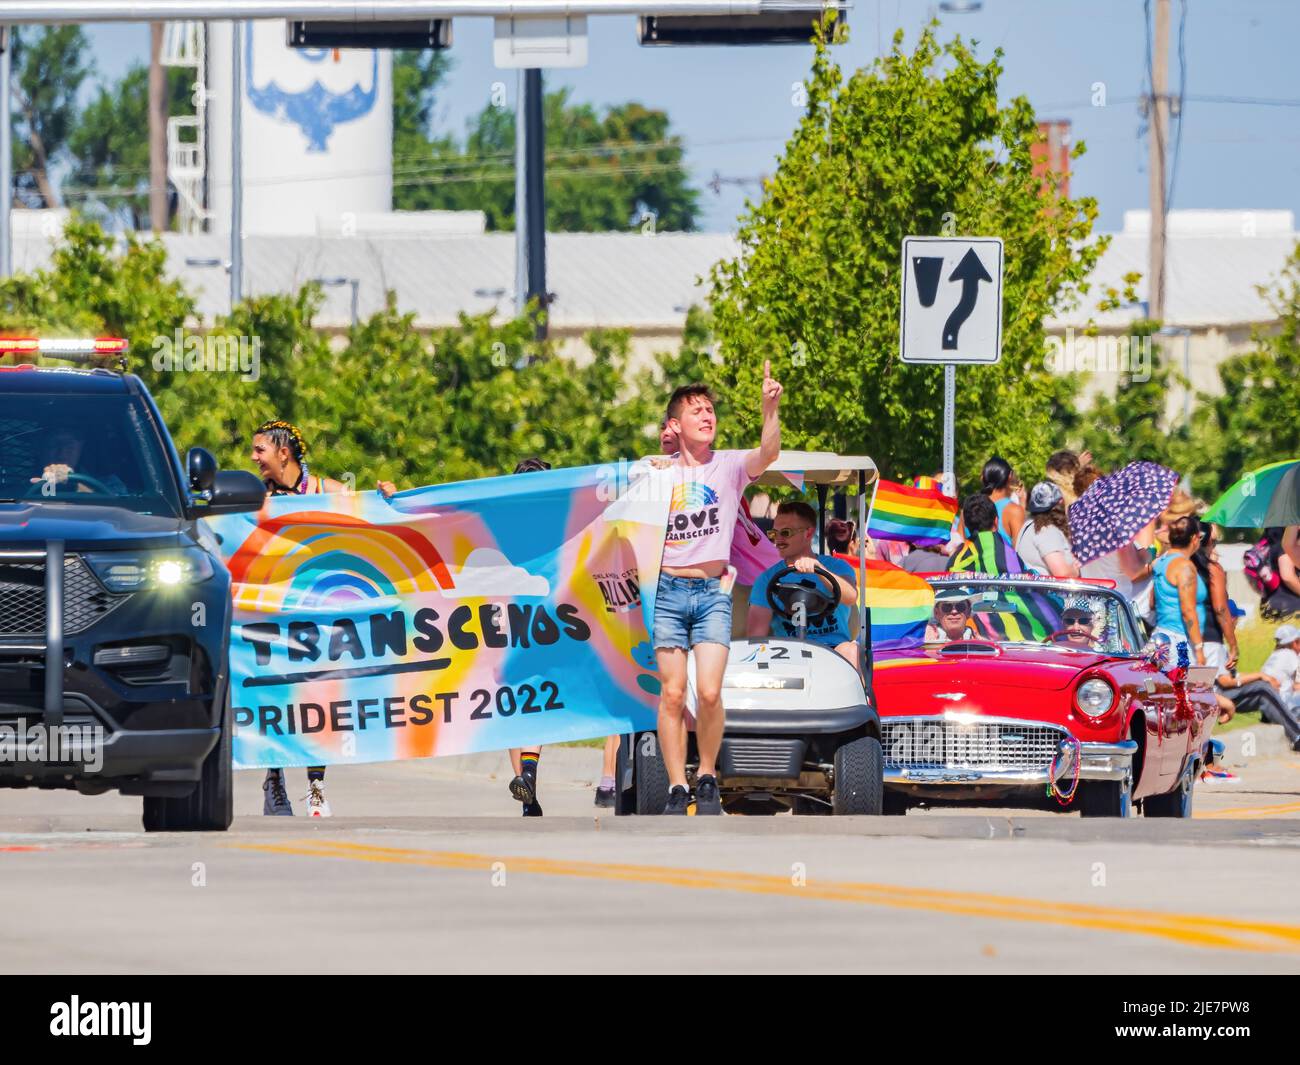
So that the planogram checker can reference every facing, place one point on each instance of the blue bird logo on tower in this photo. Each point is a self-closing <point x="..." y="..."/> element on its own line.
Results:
<point x="317" y="107"/>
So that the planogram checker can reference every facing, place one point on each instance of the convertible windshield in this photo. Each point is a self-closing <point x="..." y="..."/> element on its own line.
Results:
<point x="99" y="450"/>
<point x="1014" y="612"/>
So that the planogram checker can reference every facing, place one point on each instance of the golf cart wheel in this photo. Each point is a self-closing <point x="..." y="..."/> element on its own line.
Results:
<point x="895" y="804"/>
<point x="859" y="777"/>
<point x="651" y="774"/>
<point x="1176" y="803"/>
<point x="1105" y="798"/>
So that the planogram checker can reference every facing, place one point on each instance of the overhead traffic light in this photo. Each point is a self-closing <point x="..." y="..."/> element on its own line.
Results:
<point x="415" y="34"/>
<point x="789" y="27"/>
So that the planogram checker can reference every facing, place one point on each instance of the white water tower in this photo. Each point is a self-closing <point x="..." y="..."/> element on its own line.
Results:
<point x="318" y="133"/>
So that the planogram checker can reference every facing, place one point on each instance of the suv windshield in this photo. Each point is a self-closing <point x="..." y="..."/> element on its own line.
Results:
<point x="99" y="450"/>
<point x="1015" y="612"/>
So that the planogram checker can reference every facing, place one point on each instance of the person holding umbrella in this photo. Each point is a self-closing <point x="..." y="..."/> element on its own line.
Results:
<point x="1112" y="524"/>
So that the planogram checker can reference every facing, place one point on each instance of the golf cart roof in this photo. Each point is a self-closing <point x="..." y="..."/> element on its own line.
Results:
<point x="819" y="467"/>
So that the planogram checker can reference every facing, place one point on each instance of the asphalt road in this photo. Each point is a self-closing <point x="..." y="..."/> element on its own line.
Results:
<point x="428" y="867"/>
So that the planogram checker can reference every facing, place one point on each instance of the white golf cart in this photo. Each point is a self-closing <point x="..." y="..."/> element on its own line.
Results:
<point x="802" y="732"/>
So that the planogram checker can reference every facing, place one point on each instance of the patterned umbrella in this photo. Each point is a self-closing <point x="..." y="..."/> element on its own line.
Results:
<point x="1115" y="508"/>
<point x="1263" y="498"/>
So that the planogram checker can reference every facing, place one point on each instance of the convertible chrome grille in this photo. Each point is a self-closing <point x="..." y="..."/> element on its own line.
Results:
<point x="22" y="597"/>
<point x="936" y="743"/>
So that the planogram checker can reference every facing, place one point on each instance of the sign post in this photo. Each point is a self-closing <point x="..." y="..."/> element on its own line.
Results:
<point x="951" y="313"/>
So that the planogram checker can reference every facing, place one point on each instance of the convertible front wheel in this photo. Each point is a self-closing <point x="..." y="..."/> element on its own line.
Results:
<point x="1105" y="798"/>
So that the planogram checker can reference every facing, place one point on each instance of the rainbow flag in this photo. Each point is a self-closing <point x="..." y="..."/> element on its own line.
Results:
<point x="921" y="516"/>
<point x="901" y="604"/>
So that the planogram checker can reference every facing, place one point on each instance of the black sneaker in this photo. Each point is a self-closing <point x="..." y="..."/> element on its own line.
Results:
<point x="707" y="800"/>
<point x="533" y="809"/>
<point x="678" y="799"/>
<point x="605" y="798"/>
<point x="524" y="788"/>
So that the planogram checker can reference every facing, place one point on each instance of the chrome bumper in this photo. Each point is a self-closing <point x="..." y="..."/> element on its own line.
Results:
<point x="1098" y="761"/>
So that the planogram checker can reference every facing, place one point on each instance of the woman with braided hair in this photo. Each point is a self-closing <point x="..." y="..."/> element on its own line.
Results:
<point x="280" y="454"/>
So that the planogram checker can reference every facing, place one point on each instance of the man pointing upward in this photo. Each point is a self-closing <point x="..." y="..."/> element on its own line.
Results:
<point x="693" y="607"/>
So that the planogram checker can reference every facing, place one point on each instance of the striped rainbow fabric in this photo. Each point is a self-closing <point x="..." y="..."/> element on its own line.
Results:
<point x="901" y="604"/>
<point x="921" y="516"/>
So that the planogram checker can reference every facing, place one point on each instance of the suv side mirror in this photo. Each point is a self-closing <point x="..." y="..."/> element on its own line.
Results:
<point x="202" y="470"/>
<point x="233" y="492"/>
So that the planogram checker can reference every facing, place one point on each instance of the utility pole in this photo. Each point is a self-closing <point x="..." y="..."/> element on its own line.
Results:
<point x="157" y="131"/>
<point x="6" y="159"/>
<point x="535" y="194"/>
<point x="237" y="166"/>
<point x="1158" y="140"/>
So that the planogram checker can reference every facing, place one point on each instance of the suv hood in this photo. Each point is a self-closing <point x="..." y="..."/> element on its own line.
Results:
<point x="86" y="528"/>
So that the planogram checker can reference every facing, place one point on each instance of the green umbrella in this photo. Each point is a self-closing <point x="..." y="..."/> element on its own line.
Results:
<point x="1263" y="498"/>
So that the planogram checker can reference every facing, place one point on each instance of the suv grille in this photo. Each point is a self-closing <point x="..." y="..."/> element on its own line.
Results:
<point x="932" y="743"/>
<point x="22" y="598"/>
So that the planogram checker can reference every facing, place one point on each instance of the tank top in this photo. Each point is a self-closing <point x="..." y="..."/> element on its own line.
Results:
<point x="1001" y="505"/>
<point x="1169" y="614"/>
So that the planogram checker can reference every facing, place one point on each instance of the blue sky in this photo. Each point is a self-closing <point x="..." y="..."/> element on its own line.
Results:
<point x="732" y="106"/>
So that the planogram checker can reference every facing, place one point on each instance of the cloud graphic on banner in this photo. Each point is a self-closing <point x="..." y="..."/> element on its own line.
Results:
<point x="488" y="573"/>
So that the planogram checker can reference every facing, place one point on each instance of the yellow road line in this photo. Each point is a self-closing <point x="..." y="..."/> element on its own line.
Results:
<point x="1189" y="929"/>
<point x="1242" y="812"/>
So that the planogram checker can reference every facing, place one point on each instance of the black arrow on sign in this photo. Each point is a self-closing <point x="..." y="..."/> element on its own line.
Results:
<point x="970" y="272"/>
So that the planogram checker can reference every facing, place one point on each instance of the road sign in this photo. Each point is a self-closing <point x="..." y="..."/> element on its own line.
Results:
<point x="533" y="43"/>
<point x="952" y="300"/>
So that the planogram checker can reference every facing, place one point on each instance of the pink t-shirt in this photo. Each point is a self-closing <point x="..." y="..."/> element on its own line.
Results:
<point x="702" y="516"/>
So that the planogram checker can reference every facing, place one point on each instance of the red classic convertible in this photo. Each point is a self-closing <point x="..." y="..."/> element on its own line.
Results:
<point x="1034" y="690"/>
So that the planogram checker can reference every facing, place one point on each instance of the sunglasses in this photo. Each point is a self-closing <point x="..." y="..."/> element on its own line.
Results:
<point x="786" y="533"/>
<point x="953" y="608"/>
<point x="1077" y="619"/>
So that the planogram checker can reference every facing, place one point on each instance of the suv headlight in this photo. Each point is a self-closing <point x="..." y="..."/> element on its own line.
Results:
<point x="130" y="571"/>
<point x="1094" y="697"/>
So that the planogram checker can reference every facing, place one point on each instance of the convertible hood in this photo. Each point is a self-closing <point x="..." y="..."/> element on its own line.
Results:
<point x="84" y="528"/>
<point x="1027" y="668"/>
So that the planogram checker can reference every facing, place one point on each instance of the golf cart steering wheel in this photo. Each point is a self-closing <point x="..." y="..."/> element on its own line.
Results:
<point x="1066" y="636"/>
<point x="72" y="479"/>
<point x="784" y="598"/>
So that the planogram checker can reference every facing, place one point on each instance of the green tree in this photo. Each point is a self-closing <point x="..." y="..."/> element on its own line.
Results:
<point x="49" y="67"/>
<point x="604" y="171"/>
<point x="384" y="401"/>
<point x="915" y="144"/>
<point x="1253" y="421"/>
<point x="109" y="146"/>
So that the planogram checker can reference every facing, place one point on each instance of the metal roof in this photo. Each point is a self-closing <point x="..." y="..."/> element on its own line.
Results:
<point x="646" y="282"/>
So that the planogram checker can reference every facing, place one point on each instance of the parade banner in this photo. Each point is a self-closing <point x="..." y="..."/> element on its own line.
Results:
<point x="474" y="616"/>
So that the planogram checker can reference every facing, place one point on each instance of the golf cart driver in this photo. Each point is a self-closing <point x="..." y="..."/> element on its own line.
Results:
<point x="801" y="728"/>
<point x="805" y="595"/>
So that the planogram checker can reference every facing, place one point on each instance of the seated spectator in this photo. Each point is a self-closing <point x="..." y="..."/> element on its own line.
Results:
<point x="1044" y="541"/>
<point x="984" y="550"/>
<point x="1280" y="595"/>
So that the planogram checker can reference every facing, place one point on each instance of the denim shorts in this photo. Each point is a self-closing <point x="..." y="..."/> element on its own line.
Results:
<point x="691" y="610"/>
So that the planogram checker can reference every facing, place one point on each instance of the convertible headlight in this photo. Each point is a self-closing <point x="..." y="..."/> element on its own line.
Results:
<point x="130" y="571"/>
<point x="1094" y="697"/>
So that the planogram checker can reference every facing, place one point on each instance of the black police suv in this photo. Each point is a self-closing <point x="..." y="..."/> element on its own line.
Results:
<point x="114" y="603"/>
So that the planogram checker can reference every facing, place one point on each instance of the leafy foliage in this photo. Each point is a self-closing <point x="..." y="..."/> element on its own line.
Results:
<point x="604" y="171"/>
<point x="915" y="144"/>
<point x="383" y="401"/>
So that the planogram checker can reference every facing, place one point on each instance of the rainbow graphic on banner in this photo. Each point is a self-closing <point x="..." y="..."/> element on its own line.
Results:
<point x="475" y="616"/>
<point x="921" y="516"/>
<point x="901" y="604"/>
